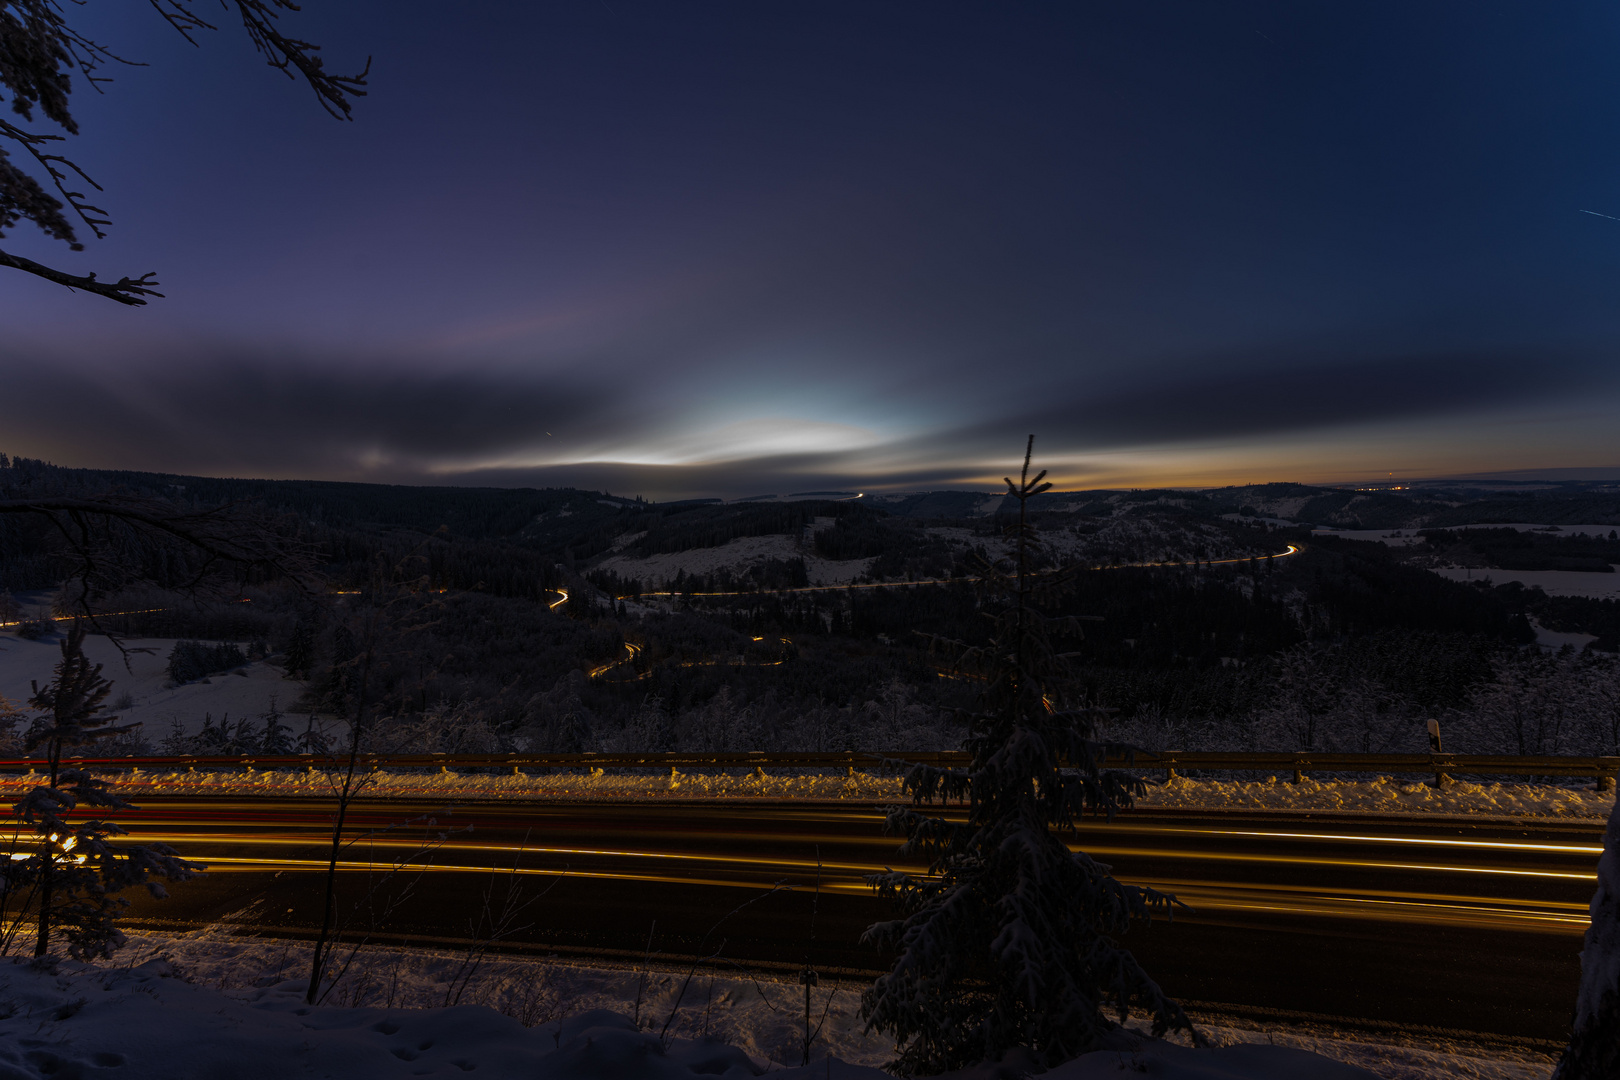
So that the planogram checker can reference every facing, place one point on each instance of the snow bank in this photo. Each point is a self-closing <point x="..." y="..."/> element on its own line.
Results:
<point x="1594" y="1049"/>
<point x="582" y="785"/>
<point x="1382" y="795"/>
<point x="213" y="1005"/>
<point x="140" y="1023"/>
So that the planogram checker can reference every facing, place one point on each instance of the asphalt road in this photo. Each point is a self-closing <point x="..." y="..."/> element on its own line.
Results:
<point x="1467" y="926"/>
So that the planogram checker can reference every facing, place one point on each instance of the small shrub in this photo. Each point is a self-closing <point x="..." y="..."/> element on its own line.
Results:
<point x="193" y="660"/>
<point x="34" y="629"/>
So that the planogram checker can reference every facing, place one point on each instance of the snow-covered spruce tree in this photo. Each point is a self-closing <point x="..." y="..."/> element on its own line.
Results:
<point x="1010" y="939"/>
<point x="74" y="871"/>
<point x="1594" y="1045"/>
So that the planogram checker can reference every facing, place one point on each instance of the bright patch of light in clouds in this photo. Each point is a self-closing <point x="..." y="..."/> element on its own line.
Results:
<point x="764" y="437"/>
<point x="739" y="440"/>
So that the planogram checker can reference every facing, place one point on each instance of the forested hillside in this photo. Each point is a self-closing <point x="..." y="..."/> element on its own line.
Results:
<point x="538" y="617"/>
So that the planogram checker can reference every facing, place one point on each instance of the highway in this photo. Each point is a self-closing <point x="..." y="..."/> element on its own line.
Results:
<point x="1449" y="924"/>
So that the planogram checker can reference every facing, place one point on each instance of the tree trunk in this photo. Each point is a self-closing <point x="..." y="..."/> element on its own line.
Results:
<point x="47" y="869"/>
<point x="1594" y="1045"/>
<point x="43" y="944"/>
<point x="329" y="908"/>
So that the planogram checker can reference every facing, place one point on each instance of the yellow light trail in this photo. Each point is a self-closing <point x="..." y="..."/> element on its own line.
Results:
<point x="776" y="863"/>
<point x="1231" y="886"/>
<point x="630" y="653"/>
<point x="1200" y="897"/>
<point x="1472" y="912"/>
<point x="452" y="845"/>
<point x="101" y="614"/>
<point x="1360" y="864"/>
<point x="1433" y="841"/>
<point x="319" y="865"/>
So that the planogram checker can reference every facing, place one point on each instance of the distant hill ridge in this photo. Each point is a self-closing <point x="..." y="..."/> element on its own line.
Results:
<point x="590" y="521"/>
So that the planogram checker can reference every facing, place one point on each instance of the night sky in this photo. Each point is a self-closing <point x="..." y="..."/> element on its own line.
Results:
<point x="681" y="249"/>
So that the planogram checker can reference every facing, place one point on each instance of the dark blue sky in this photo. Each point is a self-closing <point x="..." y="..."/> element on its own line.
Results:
<point x="737" y="248"/>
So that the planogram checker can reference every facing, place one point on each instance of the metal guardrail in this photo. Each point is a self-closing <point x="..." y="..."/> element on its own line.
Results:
<point x="740" y="760"/>
<point x="1300" y="762"/>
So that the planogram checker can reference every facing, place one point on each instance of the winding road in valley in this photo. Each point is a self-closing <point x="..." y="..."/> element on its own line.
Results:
<point x="1473" y="925"/>
<point x="852" y="587"/>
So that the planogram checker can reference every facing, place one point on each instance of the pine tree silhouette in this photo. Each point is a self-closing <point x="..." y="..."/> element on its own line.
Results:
<point x="1010" y="939"/>
<point x="76" y="872"/>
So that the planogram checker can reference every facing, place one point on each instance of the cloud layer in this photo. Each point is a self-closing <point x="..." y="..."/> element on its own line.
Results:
<point x="755" y="248"/>
<point x="241" y="413"/>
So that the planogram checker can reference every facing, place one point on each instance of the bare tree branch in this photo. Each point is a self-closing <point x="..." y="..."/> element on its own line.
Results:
<point x="125" y="290"/>
<point x="223" y="533"/>
<point x="39" y="52"/>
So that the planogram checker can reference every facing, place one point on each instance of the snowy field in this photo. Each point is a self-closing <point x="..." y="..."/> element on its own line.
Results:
<point x="247" y="692"/>
<point x="1382" y="795"/>
<point x="1598" y="586"/>
<point x="1557" y="639"/>
<point x="209" y="1005"/>
<point x="654" y="571"/>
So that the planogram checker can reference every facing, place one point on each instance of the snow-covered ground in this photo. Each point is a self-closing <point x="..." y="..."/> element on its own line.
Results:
<point x="244" y="693"/>
<point x="1383" y="795"/>
<point x="1557" y="639"/>
<point x="208" y="1005"/>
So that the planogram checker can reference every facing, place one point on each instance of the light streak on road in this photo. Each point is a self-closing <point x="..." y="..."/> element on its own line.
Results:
<point x="630" y="653"/>
<point x="562" y="598"/>
<point x="104" y="614"/>
<point x="1222" y="874"/>
<point x="1201" y="897"/>
<point x="1578" y="849"/>
<point x="1356" y="864"/>
<point x="633" y="651"/>
<point x="776" y="864"/>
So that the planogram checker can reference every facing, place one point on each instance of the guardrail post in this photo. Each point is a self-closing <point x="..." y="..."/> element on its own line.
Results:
<point x="1440" y="778"/>
<point x="1605" y="783"/>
